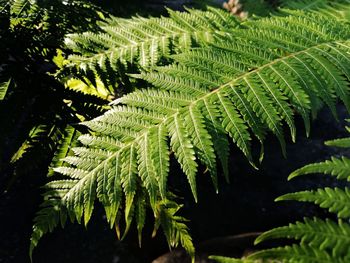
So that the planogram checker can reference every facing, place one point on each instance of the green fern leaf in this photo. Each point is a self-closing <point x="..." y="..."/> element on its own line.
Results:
<point x="343" y="142"/>
<point x="325" y="235"/>
<point x="160" y="156"/>
<point x="3" y="88"/>
<point x="183" y="149"/>
<point x="129" y="182"/>
<point x="115" y="191"/>
<point x="33" y="137"/>
<point x="335" y="200"/>
<point x="146" y="168"/>
<point x="233" y="124"/>
<point x="296" y="253"/>
<point x="202" y="141"/>
<point x="218" y="135"/>
<point x="68" y="141"/>
<point x="337" y="167"/>
<point x="140" y="215"/>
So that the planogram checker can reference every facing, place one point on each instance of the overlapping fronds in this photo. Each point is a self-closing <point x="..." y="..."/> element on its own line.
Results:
<point x="244" y="85"/>
<point x="320" y="240"/>
<point x="143" y="41"/>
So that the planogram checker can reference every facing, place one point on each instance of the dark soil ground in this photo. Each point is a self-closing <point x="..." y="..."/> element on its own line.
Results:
<point x="244" y="205"/>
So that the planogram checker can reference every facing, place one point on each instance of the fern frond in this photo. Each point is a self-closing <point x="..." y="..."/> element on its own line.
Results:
<point x="335" y="200"/>
<point x="277" y="65"/>
<point x="296" y="253"/>
<point x="343" y="143"/>
<point x="337" y="167"/>
<point x="316" y="233"/>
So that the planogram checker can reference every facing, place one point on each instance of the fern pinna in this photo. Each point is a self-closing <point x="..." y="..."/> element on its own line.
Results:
<point x="249" y="82"/>
<point x="321" y="240"/>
